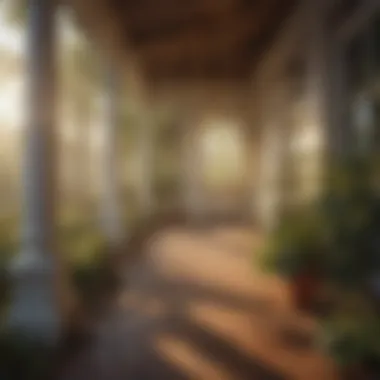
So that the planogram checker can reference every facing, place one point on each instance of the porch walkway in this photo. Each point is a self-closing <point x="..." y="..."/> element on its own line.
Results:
<point x="195" y="308"/>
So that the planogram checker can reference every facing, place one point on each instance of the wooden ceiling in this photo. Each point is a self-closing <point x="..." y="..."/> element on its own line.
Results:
<point x="200" y="39"/>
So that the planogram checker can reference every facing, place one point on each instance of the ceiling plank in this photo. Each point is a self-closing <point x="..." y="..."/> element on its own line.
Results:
<point x="195" y="44"/>
<point x="203" y="21"/>
<point x="231" y="57"/>
<point x="199" y="38"/>
<point x="154" y="14"/>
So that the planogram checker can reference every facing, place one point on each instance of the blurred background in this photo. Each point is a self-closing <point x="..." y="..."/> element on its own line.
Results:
<point x="217" y="154"/>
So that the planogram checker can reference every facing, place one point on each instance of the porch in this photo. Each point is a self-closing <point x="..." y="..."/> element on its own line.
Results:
<point x="266" y="75"/>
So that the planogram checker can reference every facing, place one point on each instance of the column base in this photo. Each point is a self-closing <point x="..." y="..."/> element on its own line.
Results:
<point x="34" y="307"/>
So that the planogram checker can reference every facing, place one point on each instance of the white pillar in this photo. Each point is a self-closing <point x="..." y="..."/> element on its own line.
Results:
<point x="317" y="96"/>
<point x="81" y="164"/>
<point x="111" y="208"/>
<point x="273" y="147"/>
<point x="146" y="153"/>
<point x="192" y="168"/>
<point x="37" y="304"/>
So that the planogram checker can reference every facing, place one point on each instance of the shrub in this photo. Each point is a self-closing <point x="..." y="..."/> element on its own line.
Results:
<point x="8" y="246"/>
<point x="89" y="262"/>
<point x="24" y="358"/>
<point x="351" y="220"/>
<point x="295" y="246"/>
<point x="351" y="335"/>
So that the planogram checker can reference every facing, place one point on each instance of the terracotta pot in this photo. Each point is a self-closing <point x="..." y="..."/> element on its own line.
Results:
<point x="304" y="288"/>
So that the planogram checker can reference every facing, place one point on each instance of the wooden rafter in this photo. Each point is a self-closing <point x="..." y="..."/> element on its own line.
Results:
<point x="151" y="15"/>
<point x="194" y="38"/>
<point x="217" y="40"/>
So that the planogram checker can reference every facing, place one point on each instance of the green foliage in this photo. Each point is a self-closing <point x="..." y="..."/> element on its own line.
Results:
<point x="24" y="358"/>
<point x="8" y="245"/>
<point x="351" y="336"/>
<point x="8" y="238"/>
<point x="340" y="233"/>
<point x="340" y="236"/>
<point x="84" y="244"/>
<point x="92" y="279"/>
<point x="351" y="219"/>
<point x="296" y="246"/>
<point x="89" y="261"/>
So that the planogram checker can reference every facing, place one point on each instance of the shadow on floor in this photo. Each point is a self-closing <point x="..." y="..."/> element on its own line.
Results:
<point x="128" y="343"/>
<point x="222" y="352"/>
<point x="183" y="291"/>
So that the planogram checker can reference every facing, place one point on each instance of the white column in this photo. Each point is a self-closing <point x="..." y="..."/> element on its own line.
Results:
<point x="37" y="304"/>
<point x="317" y="134"/>
<point x="185" y="177"/>
<point x="273" y="147"/>
<point x="192" y="167"/>
<point x="146" y="152"/>
<point x="81" y="164"/>
<point x="316" y="65"/>
<point x="111" y="208"/>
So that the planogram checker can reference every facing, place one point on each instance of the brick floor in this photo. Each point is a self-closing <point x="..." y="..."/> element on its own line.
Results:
<point x="196" y="307"/>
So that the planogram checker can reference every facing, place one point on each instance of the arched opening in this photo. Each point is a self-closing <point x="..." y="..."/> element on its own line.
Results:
<point x="224" y="171"/>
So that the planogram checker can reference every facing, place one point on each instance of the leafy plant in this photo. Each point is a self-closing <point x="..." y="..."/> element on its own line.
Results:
<point x="7" y="249"/>
<point x="351" y="338"/>
<point x="24" y="358"/>
<point x="296" y="246"/>
<point x="340" y="232"/>
<point x="89" y="262"/>
<point x="350" y="210"/>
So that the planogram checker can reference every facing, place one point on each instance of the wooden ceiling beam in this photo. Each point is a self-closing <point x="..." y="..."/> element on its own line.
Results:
<point x="146" y="34"/>
<point x="184" y="75"/>
<point x="149" y="15"/>
<point x="200" y="38"/>
<point x="234" y="65"/>
<point x="236" y="55"/>
<point x="237" y="64"/>
<point x="217" y="41"/>
<point x="143" y="34"/>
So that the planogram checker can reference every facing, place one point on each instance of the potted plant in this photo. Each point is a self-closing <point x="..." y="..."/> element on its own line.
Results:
<point x="25" y="357"/>
<point x="350" y="209"/>
<point x="7" y="249"/>
<point x="351" y="222"/>
<point x="295" y="251"/>
<point x="352" y="339"/>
